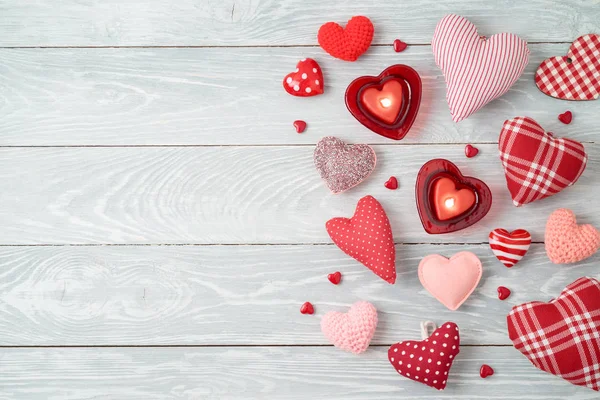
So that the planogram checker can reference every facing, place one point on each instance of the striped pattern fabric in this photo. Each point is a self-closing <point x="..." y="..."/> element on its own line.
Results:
<point x="536" y="164"/>
<point x="576" y="76"/>
<point x="477" y="69"/>
<point x="562" y="337"/>
<point x="509" y="247"/>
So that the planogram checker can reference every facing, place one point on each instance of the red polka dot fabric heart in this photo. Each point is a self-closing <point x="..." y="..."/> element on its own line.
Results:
<point x="575" y="76"/>
<point x="306" y="80"/>
<point x="367" y="237"/>
<point x="477" y="69"/>
<point x="347" y="44"/>
<point x="536" y="164"/>
<point x="562" y="337"/>
<point x="427" y="361"/>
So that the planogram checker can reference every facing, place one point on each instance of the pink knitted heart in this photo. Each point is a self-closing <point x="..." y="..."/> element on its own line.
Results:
<point x="451" y="281"/>
<point x="353" y="330"/>
<point x="343" y="166"/>
<point x="567" y="242"/>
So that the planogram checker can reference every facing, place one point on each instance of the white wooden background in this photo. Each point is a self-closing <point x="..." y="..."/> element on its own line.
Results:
<point x="161" y="222"/>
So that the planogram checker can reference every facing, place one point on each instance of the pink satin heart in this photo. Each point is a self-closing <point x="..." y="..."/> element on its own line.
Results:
<point x="567" y="242"/>
<point x="450" y="281"/>
<point x="351" y="331"/>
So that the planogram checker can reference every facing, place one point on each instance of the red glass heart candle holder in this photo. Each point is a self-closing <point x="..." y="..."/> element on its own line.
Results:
<point x="386" y="104"/>
<point x="447" y="201"/>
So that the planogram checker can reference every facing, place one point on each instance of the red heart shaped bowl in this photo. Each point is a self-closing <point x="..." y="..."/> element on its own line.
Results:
<point x="447" y="201"/>
<point x="386" y="104"/>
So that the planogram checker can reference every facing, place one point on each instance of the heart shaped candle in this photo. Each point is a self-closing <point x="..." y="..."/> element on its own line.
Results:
<point x="386" y="104"/>
<point x="447" y="201"/>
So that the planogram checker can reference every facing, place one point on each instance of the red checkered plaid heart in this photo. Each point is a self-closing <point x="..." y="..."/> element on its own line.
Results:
<point x="536" y="164"/>
<point x="562" y="337"/>
<point x="575" y="76"/>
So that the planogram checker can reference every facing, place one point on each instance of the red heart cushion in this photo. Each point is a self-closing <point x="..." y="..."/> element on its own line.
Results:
<point x="427" y="361"/>
<point x="346" y="44"/>
<point x="562" y="337"/>
<point x="536" y="164"/>
<point x="367" y="237"/>
<point x="575" y="76"/>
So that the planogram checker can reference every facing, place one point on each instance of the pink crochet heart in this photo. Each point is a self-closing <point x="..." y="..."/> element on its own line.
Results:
<point x="351" y="331"/>
<point x="450" y="281"/>
<point x="567" y="242"/>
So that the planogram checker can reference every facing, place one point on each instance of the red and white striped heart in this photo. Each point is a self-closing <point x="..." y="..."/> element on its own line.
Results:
<point x="509" y="247"/>
<point x="477" y="69"/>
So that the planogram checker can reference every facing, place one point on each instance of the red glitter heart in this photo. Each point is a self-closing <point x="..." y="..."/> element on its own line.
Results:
<point x="566" y="117"/>
<point x="399" y="46"/>
<point x="471" y="151"/>
<point x="307" y="308"/>
<point x="335" y="278"/>
<point x="503" y="292"/>
<point x="300" y="126"/>
<point x="486" y="371"/>
<point x="391" y="183"/>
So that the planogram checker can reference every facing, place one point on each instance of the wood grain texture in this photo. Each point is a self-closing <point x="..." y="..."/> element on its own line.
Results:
<point x="239" y="195"/>
<point x="234" y="96"/>
<point x="242" y="295"/>
<point x="263" y="373"/>
<point x="275" y="22"/>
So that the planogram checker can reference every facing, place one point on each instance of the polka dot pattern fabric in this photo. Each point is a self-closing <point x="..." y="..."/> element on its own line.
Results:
<point x="367" y="237"/>
<point x="428" y="361"/>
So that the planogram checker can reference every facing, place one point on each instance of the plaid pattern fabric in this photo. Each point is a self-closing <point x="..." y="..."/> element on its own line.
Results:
<point x="536" y="164"/>
<point x="576" y="76"/>
<point x="562" y="337"/>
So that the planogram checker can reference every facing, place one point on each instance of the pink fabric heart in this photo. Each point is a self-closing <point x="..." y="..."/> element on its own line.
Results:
<point x="477" y="69"/>
<point x="343" y="166"/>
<point x="567" y="242"/>
<point x="351" y="331"/>
<point x="450" y="281"/>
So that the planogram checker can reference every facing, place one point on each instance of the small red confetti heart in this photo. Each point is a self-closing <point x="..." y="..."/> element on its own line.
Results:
<point x="399" y="46"/>
<point x="503" y="292"/>
<point x="471" y="151"/>
<point x="335" y="278"/>
<point x="566" y="117"/>
<point x="486" y="371"/>
<point x="300" y="126"/>
<point x="307" y="308"/>
<point x="392" y="183"/>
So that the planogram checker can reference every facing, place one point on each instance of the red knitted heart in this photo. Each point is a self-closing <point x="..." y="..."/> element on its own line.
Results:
<point x="306" y="80"/>
<point x="575" y="76"/>
<point x="536" y="164"/>
<point x="347" y="44"/>
<point x="562" y="337"/>
<point x="427" y="361"/>
<point x="367" y="237"/>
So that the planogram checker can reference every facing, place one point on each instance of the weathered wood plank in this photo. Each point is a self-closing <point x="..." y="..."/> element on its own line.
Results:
<point x="274" y="22"/>
<point x="227" y="295"/>
<point x="234" y="96"/>
<point x="238" y="195"/>
<point x="263" y="373"/>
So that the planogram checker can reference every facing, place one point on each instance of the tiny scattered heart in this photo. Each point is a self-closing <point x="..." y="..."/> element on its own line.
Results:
<point x="399" y="46"/>
<point x="335" y="278"/>
<point x="300" y="126"/>
<point x="486" y="371"/>
<point x="566" y="117"/>
<point x="503" y="292"/>
<point x="307" y="308"/>
<point x="471" y="151"/>
<point x="392" y="183"/>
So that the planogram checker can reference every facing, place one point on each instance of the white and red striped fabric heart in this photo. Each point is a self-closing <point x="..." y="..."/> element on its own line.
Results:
<point x="509" y="247"/>
<point x="477" y="69"/>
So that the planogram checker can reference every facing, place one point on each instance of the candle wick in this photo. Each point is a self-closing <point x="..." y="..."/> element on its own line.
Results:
<point x="385" y="102"/>
<point x="449" y="203"/>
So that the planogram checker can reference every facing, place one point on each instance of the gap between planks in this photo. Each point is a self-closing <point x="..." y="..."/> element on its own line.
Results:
<point x="235" y="244"/>
<point x="159" y="346"/>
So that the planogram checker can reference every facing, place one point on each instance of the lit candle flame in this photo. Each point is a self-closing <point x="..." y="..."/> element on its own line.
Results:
<point x="385" y="102"/>
<point x="449" y="203"/>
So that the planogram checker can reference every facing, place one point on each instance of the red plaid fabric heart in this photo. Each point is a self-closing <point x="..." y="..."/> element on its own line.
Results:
<point x="562" y="337"/>
<point x="427" y="361"/>
<point x="575" y="76"/>
<point x="536" y="164"/>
